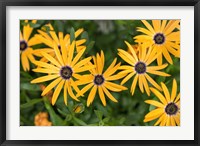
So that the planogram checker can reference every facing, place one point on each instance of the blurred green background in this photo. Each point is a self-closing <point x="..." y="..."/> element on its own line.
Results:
<point x="106" y="35"/>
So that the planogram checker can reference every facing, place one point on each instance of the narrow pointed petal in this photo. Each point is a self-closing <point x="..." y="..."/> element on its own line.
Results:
<point x="51" y="86"/>
<point x="101" y="95"/>
<point x="91" y="95"/>
<point x="57" y="92"/>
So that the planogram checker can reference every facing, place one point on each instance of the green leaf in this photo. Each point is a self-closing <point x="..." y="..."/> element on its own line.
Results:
<point x="34" y="25"/>
<point x="59" y="25"/>
<point x="30" y="87"/>
<point x="99" y="114"/>
<point x="55" y="119"/>
<point x="90" y="45"/>
<point x="30" y="103"/>
<point x="79" y="121"/>
<point x="84" y="35"/>
<point x="72" y="35"/>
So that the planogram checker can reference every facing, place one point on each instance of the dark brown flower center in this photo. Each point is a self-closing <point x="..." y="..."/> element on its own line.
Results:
<point x="159" y="38"/>
<point x="171" y="109"/>
<point x="59" y="47"/>
<point x="23" y="45"/>
<point x="66" y="72"/>
<point x="140" y="67"/>
<point x="99" y="79"/>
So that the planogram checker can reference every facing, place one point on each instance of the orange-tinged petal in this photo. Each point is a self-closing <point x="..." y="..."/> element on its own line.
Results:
<point x="57" y="92"/>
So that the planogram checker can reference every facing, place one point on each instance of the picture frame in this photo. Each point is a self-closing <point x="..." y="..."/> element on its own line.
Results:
<point x="101" y="3"/>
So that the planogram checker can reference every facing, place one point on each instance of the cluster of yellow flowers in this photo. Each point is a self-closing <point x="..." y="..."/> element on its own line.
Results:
<point x="63" y="63"/>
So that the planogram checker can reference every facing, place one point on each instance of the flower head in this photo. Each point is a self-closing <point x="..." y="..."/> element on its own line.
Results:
<point x="101" y="81"/>
<point x="41" y="119"/>
<point x="26" y="44"/>
<point x="62" y="70"/>
<point x="167" y="109"/>
<point x="139" y="67"/>
<point x="49" y="38"/>
<point x="161" y="37"/>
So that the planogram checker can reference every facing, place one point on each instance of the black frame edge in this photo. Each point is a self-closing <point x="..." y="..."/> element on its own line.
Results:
<point x="2" y="74"/>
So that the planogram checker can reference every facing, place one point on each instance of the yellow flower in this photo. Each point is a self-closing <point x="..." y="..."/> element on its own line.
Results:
<point x="26" y="44"/>
<point x="62" y="71"/>
<point x="49" y="40"/>
<point x="101" y="81"/>
<point x="139" y="67"/>
<point x="161" y="37"/>
<point x="168" y="109"/>
<point x="41" y="119"/>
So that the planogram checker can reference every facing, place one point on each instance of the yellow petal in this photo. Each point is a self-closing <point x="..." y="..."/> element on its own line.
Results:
<point x="160" y="119"/>
<point x="168" y="121"/>
<point x="126" y="59"/>
<point x="153" y="82"/>
<point x="116" y="85"/>
<point x="111" y="71"/>
<point x="115" y="77"/>
<point x="99" y="64"/>
<point x="57" y="92"/>
<point x="46" y="65"/>
<point x="175" y="36"/>
<point x="91" y="95"/>
<point x="85" y="89"/>
<point x="74" y="85"/>
<point x="154" y="114"/>
<point x="145" y="31"/>
<point x="101" y="95"/>
<point x="141" y="84"/>
<point x="174" y="90"/>
<point x="51" y="59"/>
<point x="154" y="103"/>
<point x="159" y="95"/>
<point x="108" y="94"/>
<point x="64" y="51"/>
<point x="127" y="78"/>
<point x="177" y="119"/>
<point x="45" y="41"/>
<point x="134" y="84"/>
<point x="82" y="62"/>
<point x="85" y="68"/>
<point x="166" y="92"/>
<point x="45" y="78"/>
<point x="21" y="37"/>
<point x="78" y="32"/>
<point x="172" y="121"/>
<point x="158" y="73"/>
<point x="146" y="86"/>
<point x="25" y="63"/>
<point x="54" y="36"/>
<point x="128" y="56"/>
<point x="71" y="52"/>
<point x="148" y="26"/>
<point x="167" y="56"/>
<point x="77" y="57"/>
<point x="156" y="25"/>
<point x="177" y="98"/>
<point x="71" y="92"/>
<point x="43" y="70"/>
<point x="33" y="41"/>
<point x="44" y="34"/>
<point x="111" y="66"/>
<point x="80" y="42"/>
<point x="65" y="92"/>
<point x="51" y="86"/>
<point x="60" y="35"/>
<point x="58" y="55"/>
<point x="157" y="67"/>
<point x="163" y="25"/>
